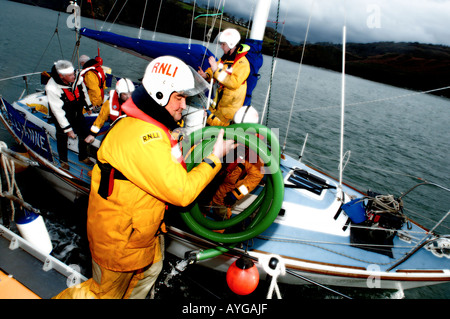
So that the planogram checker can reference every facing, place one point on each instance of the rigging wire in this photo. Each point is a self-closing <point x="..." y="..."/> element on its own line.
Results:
<point x="371" y="101"/>
<point x="95" y="25"/>
<point x="220" y="23"/>
<point x="59" y="41"/>
<point x="213" y="23"/>
<point x="298" y="77"/>
<point x="19" y="76"/>
<point x="205" y="34"/>
<point x="250" y="19"/>
<point x="123" y="6"/>
<point x="157" y="19"/>
<point x="101" y="28"/>
<point x="273" y="61"/>
<point x="341" y="147"/>
<point x="93" y="15"/>
<point x="142" y="21"/>
<point x="192" y="25"/>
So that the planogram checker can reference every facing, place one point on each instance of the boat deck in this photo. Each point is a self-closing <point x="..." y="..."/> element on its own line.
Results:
<point x="43" y="275"/>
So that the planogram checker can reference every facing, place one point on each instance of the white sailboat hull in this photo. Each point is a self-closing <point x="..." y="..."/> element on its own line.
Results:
<point x="179" y="243"/>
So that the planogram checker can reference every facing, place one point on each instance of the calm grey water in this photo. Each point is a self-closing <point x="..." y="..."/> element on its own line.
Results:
<point x="395" y="136"/>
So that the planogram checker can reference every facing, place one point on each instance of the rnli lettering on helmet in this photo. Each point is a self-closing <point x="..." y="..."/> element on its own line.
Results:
<point x="165" y="68"/>
<point x="150" y="137"/>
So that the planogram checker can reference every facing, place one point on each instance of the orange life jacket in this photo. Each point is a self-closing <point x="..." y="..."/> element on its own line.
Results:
<point x="115" y="111"/>
<point x="98" y="70"/>
<point x="72" y="96"/>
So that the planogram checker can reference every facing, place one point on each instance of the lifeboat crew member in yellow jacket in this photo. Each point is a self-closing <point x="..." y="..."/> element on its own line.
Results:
<point x="112" y="108"/>
<point x="95" y="80"/>
<point x="139" y="172"/>
<point x="231" y="73"/>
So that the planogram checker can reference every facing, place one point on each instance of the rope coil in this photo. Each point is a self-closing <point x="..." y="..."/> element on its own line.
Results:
<point x="13" y="192"/>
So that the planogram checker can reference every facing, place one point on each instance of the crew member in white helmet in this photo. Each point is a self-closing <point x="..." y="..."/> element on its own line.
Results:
<point x="140" y="170"/>
<point x="112" y="108"/>
<point x="230" y="73"/>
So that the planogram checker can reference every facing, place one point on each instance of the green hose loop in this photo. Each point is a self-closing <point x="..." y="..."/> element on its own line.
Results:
<point x="268" y="202"/>
<point x="213" y="252"/>
<point x="215" y="224"/>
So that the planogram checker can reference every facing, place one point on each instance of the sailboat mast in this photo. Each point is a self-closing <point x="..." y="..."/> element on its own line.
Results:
<point x="257" y="33"/>
<point x="341" y="168"/>
<point x="260" y="20"/>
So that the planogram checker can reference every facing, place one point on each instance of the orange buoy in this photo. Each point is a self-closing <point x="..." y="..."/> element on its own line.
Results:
<point x="243" y="276"/>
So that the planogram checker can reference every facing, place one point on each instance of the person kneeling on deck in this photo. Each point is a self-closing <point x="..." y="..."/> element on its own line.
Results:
<point x="236" y="179"/>
<point x="66" y="99"/>
<point x="231" y="73"/>
<point x="112" y="108"/>
<point x="140" y="171"/>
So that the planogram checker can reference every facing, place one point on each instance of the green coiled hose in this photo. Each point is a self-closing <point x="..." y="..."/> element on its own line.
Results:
<point x="268" y="202"/>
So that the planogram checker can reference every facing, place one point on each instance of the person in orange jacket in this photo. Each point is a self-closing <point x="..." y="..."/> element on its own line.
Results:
<point x="230" y="73"/>
<point x="140" y="170"/>
<point x="242" y="177"/>
<point x="236" y="179"/>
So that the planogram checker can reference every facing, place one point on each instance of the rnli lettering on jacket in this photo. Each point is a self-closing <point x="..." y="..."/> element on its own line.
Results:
<point x="150" y="137"/>
<point x="134" y="111"/>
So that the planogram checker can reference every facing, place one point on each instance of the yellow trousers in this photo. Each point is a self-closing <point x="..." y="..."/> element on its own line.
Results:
<point x="107" y="284"/>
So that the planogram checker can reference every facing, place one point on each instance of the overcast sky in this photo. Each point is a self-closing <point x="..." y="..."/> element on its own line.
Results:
<point x="425" y="21"/>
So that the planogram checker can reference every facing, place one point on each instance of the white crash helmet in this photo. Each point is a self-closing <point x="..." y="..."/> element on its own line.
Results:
<point x="246" y="114"/>
<point x="124" y="86"/>
<point x="168" y="74"/>
<point x="231" y="37"/>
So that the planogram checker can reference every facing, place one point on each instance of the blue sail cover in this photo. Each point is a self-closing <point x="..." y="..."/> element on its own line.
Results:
<point x="194" y="55"/>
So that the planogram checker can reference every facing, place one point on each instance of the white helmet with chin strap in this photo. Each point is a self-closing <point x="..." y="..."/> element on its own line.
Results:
<point x="124" y="86"/>
<point x="231" y="37"/>
<point x="168" y="74"/>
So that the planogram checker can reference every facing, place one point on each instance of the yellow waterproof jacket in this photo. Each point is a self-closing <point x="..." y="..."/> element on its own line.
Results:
<point x="110" y="110"/>
<point x="232" y="78"/>
<point x="102" y="117"/>
<point x="95" y="88"/>
<point x="122" y="228"/>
